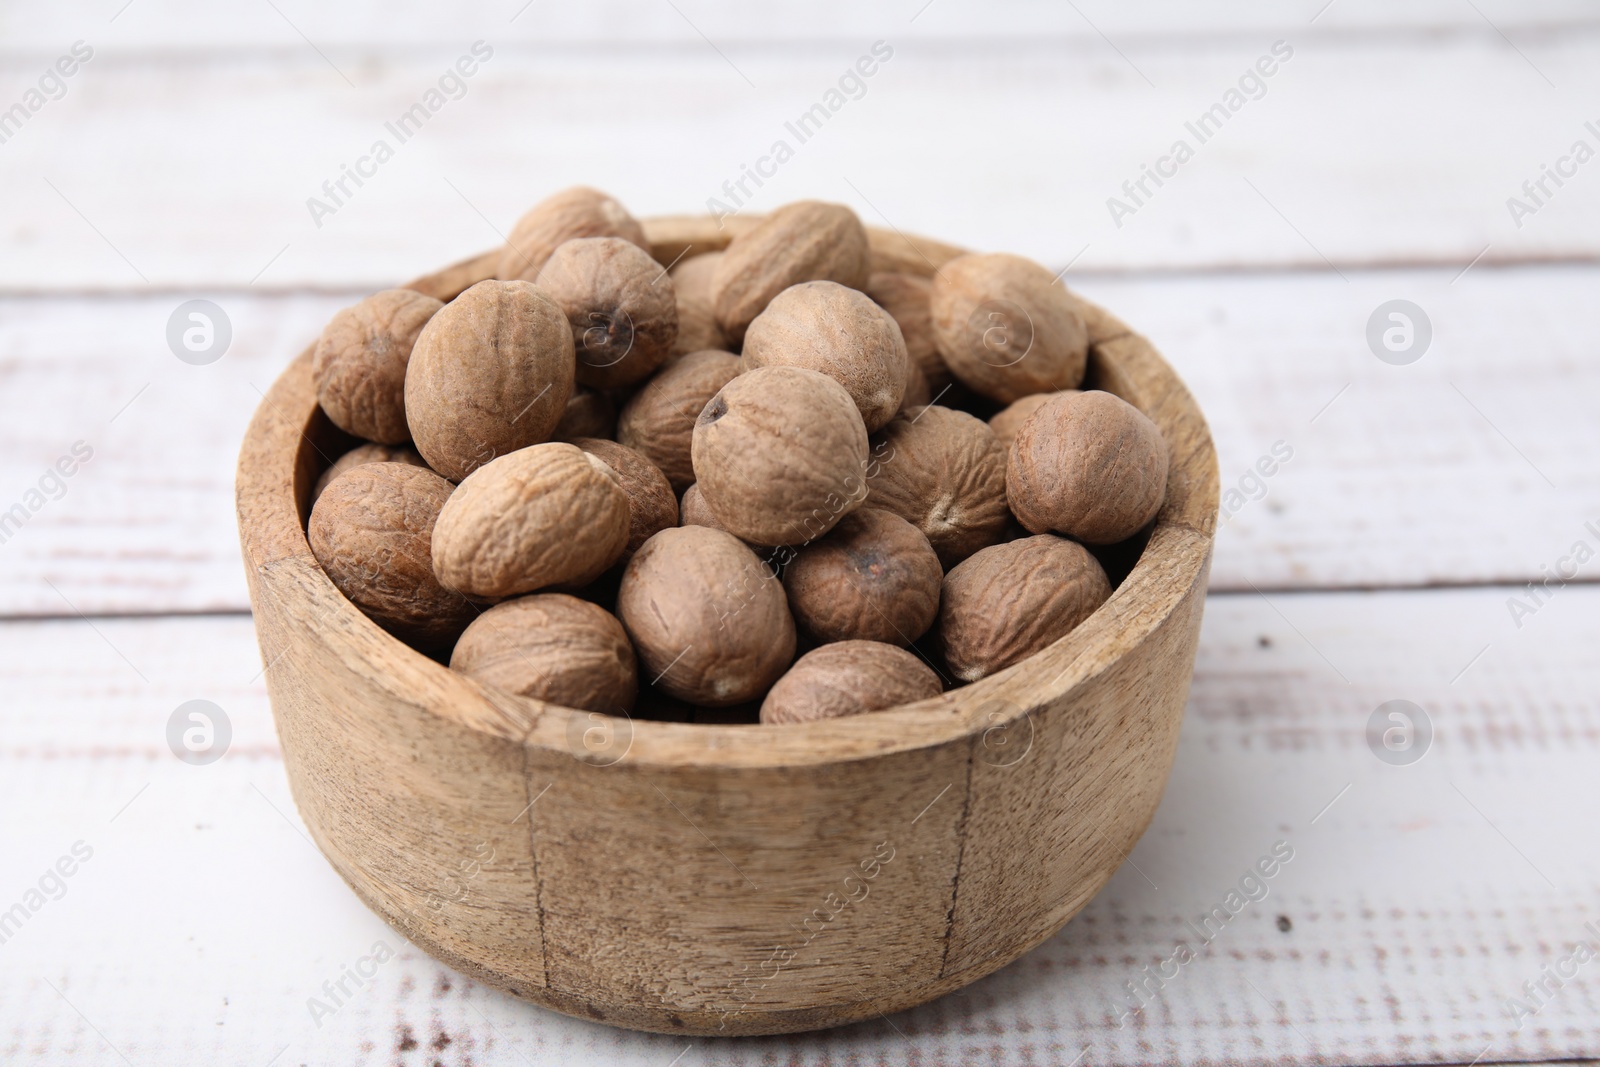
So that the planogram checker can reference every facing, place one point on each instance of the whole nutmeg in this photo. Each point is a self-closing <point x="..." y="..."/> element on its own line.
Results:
<point x="658" y="421"/>
<point x="697" y="323"/>
<point x="918" y="394"/>
<point x="360" y="363"/>
<point x="1089" y="465"/>
<point x="490" y="373"/>
<point x="621" y="305"/>
<point x="1012" y="600"/>
<point x="909" y="299"/>
<point x="801" y="242"/>
<point x="826" y="327"/>
<point x="371" y="532"/>
<point x="780" y="455"/>
<point x="589" y="413"/>
<point x="544" y="515"/>
<point x="576" y="212"/>
<point x="1007" y="422"/>
<point x="848" y="678"/>
<point x="554" y="648"/>
<point x="874" y="577"/>
<point x="707" y="617"/>
<point x="365" y="454"/>
<point x="652" y="505"/>
<point x="943" y="472"/>
<point x="693" y="511"/>
<point x="1006" y="328"/>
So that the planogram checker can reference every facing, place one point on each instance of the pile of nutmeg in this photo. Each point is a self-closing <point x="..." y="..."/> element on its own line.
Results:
<point x="632" y="487"/>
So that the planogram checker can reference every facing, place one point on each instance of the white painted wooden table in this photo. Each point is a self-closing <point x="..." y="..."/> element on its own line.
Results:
<point x="1380" y="562"/>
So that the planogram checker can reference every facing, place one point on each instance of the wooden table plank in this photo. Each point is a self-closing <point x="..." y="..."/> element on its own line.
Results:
<point x="1416" y="900"/>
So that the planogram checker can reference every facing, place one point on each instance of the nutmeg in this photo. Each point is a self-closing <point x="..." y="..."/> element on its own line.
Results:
<point x="368" y="453"/>
<point x="826" y="327"/>
<point x="490" y="373"/>
<point x="547" y="515"/>
<point x="874" y="577"/>
<point x="918" y="395"/>
<point x="658" y="421"/>
<point x="621" y="305"/>
<point x="848" y="678"/>
<point x="1006" y="422"/>
<point x="555" y="220"/>
<point x="692" y="510"/>
<point x="1006" y="328"/>
<point x="800" y="242"/>
<point x="943" y="472"/>
<point x="589" y="413"/>
<point x="697" y="323"/>
<point x="360" y="363"/>
<point x="708" y="618"/>
<point x="1089" y="465"/>
<point x="1009" y="601"/>
<point x="370" y="531"/>
<point x="652" y="505"/>
<point x="909" y="299"/>
<point x="552" y="647"/>
<point x="780" y="455"/>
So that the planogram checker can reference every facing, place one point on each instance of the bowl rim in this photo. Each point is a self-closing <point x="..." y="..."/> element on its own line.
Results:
<point x="271" y="483"/>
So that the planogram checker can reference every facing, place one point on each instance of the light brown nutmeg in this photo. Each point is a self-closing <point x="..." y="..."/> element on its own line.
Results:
<point x="1089" y="465"/>
<point x="697" y="323"/>
<point x="693" y="511"/>
<point x="848" y="678"/>
<point x="555" y="220"/>
<point x="371" y="532"/>
<point x="909" y="299"/>
<point x="555" y="648"/>
<point x="826" y="327"/>
<point x="780" y="455"/>
<point x="708" y="618"/>
<point x="658" y="421"/>
<point x="652" y="505"/>
<point x="874" y="577"/>
<point x="1006" y="328"/>
<point x="1006" y="423"/>
<point x="918" y="394"/>
<point x="943" y="472"/>
<point x="801" y="242"/>
<point x="360" y="363"/>
<point x="621" y="305"/>
<point x="547" y="515"/>
<point x="365" y="454"/>
<point x="1009" y="601"/>
<point x="491" y="373"/>
<point x="589" y="413"/>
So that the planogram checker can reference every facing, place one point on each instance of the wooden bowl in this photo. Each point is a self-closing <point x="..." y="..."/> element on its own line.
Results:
<point x="696" y="879"/>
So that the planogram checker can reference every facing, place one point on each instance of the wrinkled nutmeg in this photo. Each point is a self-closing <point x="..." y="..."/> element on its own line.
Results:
<point x="490" y="373"/>
<point x="555" y="220"/>
<point x="943" y="472"/>
<point x="708" y="618"/>
<point x="693" y="510"/>
<point x="804" y="241"/>
<point x="1089" y="465"/>
<point x="547" y="515"/>
<point x="589" y="413"/>
<point x="371" y="532"/>
<point x="1009" y="601"/>
<point x="652" y="505"/>
<point x="848" y="678"/>
<point x="554" y="648"/>
<point x="874" y="577"/>
<point x="909" y="299"/>
<point x="697" y="323"/>
<point x="826" y="327"/>
<point x="621" y="305"/>
<point x="1007" y="422"/>
<point x="780" y="455"/>
<point x="1006" y="328"/>
<point x="365" y="454"/>
<point x="360" y="363"/>
<point x="658" y="421"/>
